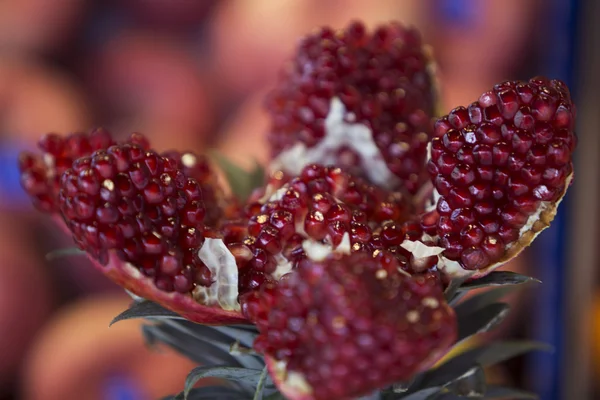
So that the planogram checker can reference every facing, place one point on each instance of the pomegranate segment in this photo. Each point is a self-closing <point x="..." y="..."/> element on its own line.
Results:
<point x="348" y="325"/>
<point x="361" y="101"/>
<point x="140" y="205"/>
<point x="321" y="211"/>
<point x="142" y="218"/>
<point x="500" y="173"/>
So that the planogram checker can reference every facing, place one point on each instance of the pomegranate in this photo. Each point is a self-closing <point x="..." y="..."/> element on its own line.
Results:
<point x="500" y="168"/>
<point x="348" y="325"/>
<point x="358" y="100"/>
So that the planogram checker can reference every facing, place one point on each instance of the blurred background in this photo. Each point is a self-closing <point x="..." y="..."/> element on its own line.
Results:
<point x="191" y="74"/>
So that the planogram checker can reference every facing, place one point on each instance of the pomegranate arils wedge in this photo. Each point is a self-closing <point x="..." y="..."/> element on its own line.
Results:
<point x="355" y="311"/>
<point x="363" y="105"/>
<point x="161" y="239"/>
<point x="515" y="166"/>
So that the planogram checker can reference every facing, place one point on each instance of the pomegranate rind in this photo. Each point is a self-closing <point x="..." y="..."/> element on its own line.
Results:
<point x="128" y="277"/>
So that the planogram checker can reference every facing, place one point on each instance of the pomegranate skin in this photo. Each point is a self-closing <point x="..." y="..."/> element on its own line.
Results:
<point x="346" y="326"/>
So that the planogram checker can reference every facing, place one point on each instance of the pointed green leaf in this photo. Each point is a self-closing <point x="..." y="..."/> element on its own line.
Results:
<point x="145" y="309"/>
<point x="212" y="393"/>
<point x="66" y="252"/>
<point x="202" y="344"/>
<point x="453" y="288"/>
<point x="483" y="299"/>
<point x="422" y="394"/>
<point x="471" y="384"/>
<point x="241" y="182"/>
<point x="250" y="376"/>
<point x="497" y="278"/>
<point x="275" y="396"/>
<point x="481" y="320"/>
<point x="245" y="335"/>
<point x="501" y="392"/>
<point x="258" y="395"/>
<point x="484" y="355"/>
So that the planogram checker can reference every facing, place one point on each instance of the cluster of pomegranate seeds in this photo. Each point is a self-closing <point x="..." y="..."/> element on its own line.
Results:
<point x="139" y="204"/>
<point x="40" y="173"/>
<point x="498" y="162"/>
<point x="198" y="167"/>
<point x="383" y="81"/>
<point x="346" y="325"/>
<point x="323" y="205"/>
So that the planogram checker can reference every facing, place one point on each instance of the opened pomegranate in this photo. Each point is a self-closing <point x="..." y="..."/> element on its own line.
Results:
<point x="500" y="168"/>
<point x="321" y="211"/>
<point x="358" y="100"/>
<point x="348" y="325"/>
<point x="142" y="218"/>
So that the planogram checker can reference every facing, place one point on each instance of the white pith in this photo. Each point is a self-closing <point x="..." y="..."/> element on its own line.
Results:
<point x="49" y="161"/>
<point x="339" y="133"/>
<point x="284" y="266"/>
<point x="223" y="268"/>
<point x="291" y="382"/>
<point x="318" y="251"/>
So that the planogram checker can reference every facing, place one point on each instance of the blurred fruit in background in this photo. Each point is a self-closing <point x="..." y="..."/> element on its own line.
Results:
<point x="35" y="98"/>
<point x="98" y="362"/>
<point x="40" y="26"/>
<point x="148" y="82"/>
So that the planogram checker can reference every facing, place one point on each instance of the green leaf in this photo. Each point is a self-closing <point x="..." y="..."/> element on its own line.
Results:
<point x="202" y="344"/>
<point x="497" y="278"/>
<point x="485" y="355"/>
<point x="241" y="182"/>
<point x="245" y="335"/>
<point x="251" y="376"/>
<point x="501" y="392"/>
<point x="422" y="394"/>
<point x="145" y="309"/>
<point x="471" y="384"/>
<point x="258" y="395"/>
<point x="66" y="252"/>
<point x="275" y="396"/>
<point x="211" y="393"/>
<point x="481" y="320"/>
<point x="480" y="300"/>
<point x="454" y="286"/>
